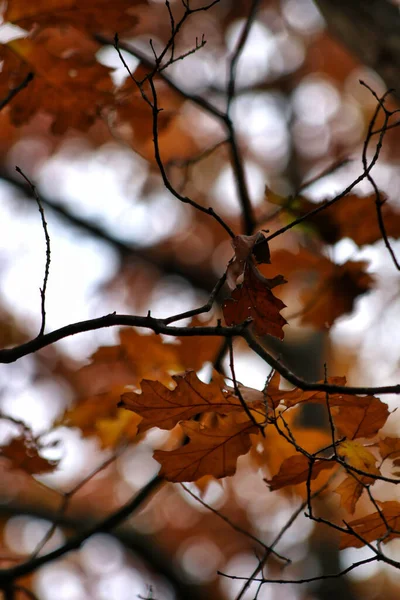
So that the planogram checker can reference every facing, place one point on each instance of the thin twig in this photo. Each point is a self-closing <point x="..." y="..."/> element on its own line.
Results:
<point x="14" y="91"/>
<point x="48" y="249"/>
<point x="236" y="527"/>
<point x="107" y="524"/>
<point x="239" y="394"/>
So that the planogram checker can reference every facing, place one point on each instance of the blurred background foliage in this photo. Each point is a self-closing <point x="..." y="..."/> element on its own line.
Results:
<point x="121" y="242"/>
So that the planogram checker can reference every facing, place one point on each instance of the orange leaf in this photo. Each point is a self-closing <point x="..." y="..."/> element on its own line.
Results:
<point x="164" y="408"/>
<point x="254" y="299"/>
<point x="328" y="290"/>
<point x="353" y="416"/>
<point x="350" y="491"/>
<point x="390" y="448"/>
<point x="71" y="86"/>
<point x="373" y="527"/>
<point x="296" y="469"/>
<point x="211" y="451"/>
<point x="23" y="454"/>
<point x="96" y="16"/>
<point x="343" y="219"/>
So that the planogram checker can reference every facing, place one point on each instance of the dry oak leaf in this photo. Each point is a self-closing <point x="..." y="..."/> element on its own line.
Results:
<point x="99" y="416"/>
<point x="164" y="408"/>
<point x="273" y="450"/>
<point x="253" y="299"/>
<point x="92" y="16"/>
<point x="246" y="246"/>
<point x="134" y="358"/>
<point x="390" y="448"/>
<point x="350" y="490"/>
<point x="70" y="88"/>
<point x="327" y="290"/>
<point x="296" y="469"/>
<point x="353" y="416"/>
<point x="212" y="450"/>
<point x="353" y="216"/>
<point x="24" y="455"/>
<point x="374" y="527"/>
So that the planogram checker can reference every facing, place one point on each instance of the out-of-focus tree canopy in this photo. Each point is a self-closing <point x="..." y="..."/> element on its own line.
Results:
<point x="199" y="299"/>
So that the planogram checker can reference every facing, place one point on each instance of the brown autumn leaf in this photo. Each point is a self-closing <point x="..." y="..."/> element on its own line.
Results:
<point x="24" y="454"/>
<point x="390" y="448"/>
<point x="327" y="290"/>
<point x="71" y="87"/>
<point x="245" y="247"/>
<point x="343" y="219"/>
<point x="374" y="526"/>
<point x="193" y="352"/>
<point x="350" y="490"/>
<point x="92" y="16"/>
<point x="353" y="416"/>
<point x="134" y="358"/>
<point x="272" y="451"/>
<point x="164" y="408"/>
<point x="212" y="450"/>
<point x="253" y="299"/>
<point x="296" y="469"/>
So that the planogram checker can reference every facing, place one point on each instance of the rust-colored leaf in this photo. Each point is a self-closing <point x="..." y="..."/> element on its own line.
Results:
<point x="350" y="491"/>
<point x="374" y="527"/>
<point x="69" y="84"/>
<point x="343" y="219"/>
<point x="254" y="299"/>
<point x="296" y="469"/>
<point x="353" y="416"/>
<point x="246" y="246"/>
<point x="99" y="416"/>
<point x="390" y="448"/>
<point x="164" y="408"/>
<point x="212" y="450"/>
<point x="93" y="16"/>
<point x="327" y="290"/>
<point x="24" y="454"/>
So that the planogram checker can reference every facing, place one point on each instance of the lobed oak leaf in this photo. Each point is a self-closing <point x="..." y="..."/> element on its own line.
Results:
<point x="390" y="448"/>
<point x="246" y="246"/>
<point x="343" y="219"/>
<point x="350" y="490"/>
<point x="358" y="416"/>
<point x="296" y="469"/>
<point x="254" y="299"/>
<point x="70" y="86"/>
<point x="275" y="449"/>
<point x="353" y="416"/>
<point x="374" y="527"/>
<point x="92" y="16"/>
<point x="24" y="454"/>
<point x="164" y="408"/>
<point x="327" y="290"/>
<point x="212" y="450"/>
<point x="193" y="352"/>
